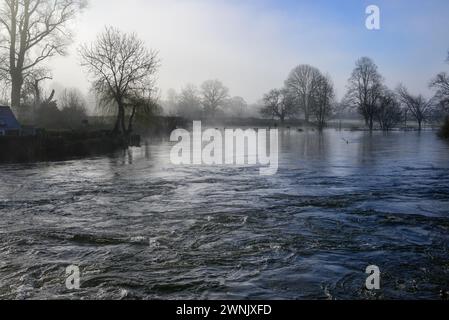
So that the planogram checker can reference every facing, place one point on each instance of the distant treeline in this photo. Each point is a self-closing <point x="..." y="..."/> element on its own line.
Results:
<point x="309" y="94"/>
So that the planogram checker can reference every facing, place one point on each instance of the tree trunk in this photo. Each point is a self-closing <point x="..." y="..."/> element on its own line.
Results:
<point x="405" y="119"/>
<point x="16" y="89"/>
<point x="122" y="120"/>
<point x="131" y="119"/>
<point x="306" y="114"/>
<point x="321" y="124"/>
<point x="282" y="118"/>
<point x="371" y="124"/>
<point x="119" y="123"/>
<point x="116" y="129"/>
<point x="305" y="102"/>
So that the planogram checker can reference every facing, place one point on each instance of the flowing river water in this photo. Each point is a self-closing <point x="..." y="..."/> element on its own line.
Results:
<point x="141" y="228"/>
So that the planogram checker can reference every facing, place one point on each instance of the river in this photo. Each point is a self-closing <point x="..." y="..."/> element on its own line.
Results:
<point x="139" y="227"/>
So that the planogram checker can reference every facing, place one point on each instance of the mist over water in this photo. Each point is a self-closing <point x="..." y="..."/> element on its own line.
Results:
<point x="141" y="228"/>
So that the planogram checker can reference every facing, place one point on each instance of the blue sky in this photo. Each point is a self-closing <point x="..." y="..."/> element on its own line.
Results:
<point x="252" y="45"/>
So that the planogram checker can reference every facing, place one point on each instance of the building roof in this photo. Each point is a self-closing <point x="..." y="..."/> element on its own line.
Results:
<point x="8" y="120"/>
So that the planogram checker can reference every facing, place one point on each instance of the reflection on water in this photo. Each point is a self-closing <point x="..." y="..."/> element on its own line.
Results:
<point x="141" y="228"/>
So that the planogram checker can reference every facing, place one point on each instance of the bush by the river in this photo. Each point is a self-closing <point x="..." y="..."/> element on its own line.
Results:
<point x="50" y="117"/>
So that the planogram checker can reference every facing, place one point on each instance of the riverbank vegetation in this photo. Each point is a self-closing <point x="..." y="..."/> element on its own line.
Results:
<point x="308" y="99"/>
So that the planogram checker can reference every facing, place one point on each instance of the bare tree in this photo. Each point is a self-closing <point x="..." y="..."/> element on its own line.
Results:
<point x="418" y="106"/>
<point x="441" y="85"/>
<point x="322" y="102"/>
<point x="144" y="106"/>
<point x="122" y="69"/>
<point x="72" y="99"/>
<point x="236" y="106"/>
<point x="364" y="89"/>
<point x="189" y="103"/>
<point x="171" y="103"/>
<point x="73" y="108"/>
<point x="301" y="84"/>
<point x="33" y="95"/>
<point x="278" y="104"/>
<point x="389" y="112"/>
<point x="441" y="111"/>
<point x="214" y="95"/>
<point x="32" y="88"/>
<point x="33" y="31"/>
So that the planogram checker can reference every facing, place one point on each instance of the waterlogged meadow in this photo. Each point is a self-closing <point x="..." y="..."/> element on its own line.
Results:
<point x="140" y="227"/>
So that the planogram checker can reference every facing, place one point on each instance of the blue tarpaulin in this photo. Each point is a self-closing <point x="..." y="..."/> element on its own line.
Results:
<point x="8" y="120"/>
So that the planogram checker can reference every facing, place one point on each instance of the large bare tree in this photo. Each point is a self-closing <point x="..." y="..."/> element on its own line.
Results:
<point x="365" y="89"/>
<point x="301" y="84"/>
<point x="123" y="72"/>
<point x="31" y="32"/>
<point x="214" y="95"/>
<point x="418" y="105"/>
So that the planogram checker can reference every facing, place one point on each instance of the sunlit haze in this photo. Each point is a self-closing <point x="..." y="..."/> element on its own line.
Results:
<point x="252" y="45"/>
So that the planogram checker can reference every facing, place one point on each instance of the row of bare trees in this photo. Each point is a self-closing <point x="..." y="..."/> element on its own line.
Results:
<point x="368" y="94"/>
<point x="311" y="93"/>
<point x="306" y="90"/>
<point x="211" y="100"/>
